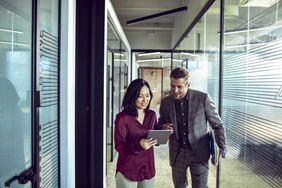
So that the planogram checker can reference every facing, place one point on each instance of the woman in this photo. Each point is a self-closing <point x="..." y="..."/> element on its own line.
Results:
<point x="135" y="165"/>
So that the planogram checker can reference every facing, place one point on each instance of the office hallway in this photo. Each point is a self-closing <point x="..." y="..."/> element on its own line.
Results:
<point x="233" y="173"/>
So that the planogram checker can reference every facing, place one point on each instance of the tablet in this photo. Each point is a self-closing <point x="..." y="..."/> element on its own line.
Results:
<point x="161" y="136"/>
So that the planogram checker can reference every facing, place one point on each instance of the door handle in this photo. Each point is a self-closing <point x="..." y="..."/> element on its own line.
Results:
<point x="24" y="177"/>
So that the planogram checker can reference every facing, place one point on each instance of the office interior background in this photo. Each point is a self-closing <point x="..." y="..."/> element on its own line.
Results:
<point x="65" y="65"/>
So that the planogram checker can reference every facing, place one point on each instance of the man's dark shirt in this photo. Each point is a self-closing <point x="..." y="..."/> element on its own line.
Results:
<point x="181" y="108"/>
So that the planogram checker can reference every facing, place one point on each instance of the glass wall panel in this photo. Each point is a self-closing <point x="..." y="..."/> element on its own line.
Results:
<point x="117" y="82"/>
<point x="15" y="89"/>
<point x="48" y="85"/>
<point x="113" y="81"/>
<point x="154" y="67"/>
<point x="251" y="86"/>
<point x="211" y="44"/>
<point x="192" y="55"/>
<point x="199" y="52"/>
<point x="252" y="80"/>
<point x="123" y="56"/>
<point x="154" y="77"/>
<point x="109" y="106"/>
<point x="116" y="86"/>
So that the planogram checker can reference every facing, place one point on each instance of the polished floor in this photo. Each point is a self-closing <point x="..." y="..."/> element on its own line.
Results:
<point x="233" y="173"/>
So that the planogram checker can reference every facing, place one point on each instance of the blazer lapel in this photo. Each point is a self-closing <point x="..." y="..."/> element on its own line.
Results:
<point x="191" y="108"/>
<point x="173" y="116"/>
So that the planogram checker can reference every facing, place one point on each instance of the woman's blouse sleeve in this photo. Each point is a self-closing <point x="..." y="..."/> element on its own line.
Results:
<point x="121" y="137"/>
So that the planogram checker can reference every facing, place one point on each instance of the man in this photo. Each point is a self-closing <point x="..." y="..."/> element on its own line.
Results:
<point x="187" y="111"/>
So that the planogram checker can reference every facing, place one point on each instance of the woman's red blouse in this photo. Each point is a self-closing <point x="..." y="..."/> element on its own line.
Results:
<point x="134" y="162"/>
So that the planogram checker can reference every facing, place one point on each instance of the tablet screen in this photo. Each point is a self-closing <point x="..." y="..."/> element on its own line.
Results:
<point x="161" y="136"/>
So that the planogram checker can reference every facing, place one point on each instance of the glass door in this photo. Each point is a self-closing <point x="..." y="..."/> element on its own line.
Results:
<point x="29" y="93"/>
<point x="15" y="92"/>
<point x="109" y="115"/>
<point x="48" y="89"/>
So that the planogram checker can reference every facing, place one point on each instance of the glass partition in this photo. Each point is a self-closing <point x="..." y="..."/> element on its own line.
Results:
<point x="117" y="82"/>
<point x="48" y="74"/>
<point x="252" y="79"/>
<point x="113" y="87"/>
<point x="199" y="53"/>
<point x="15" y="89"/>
<point x="251" y="82"/>
<point x="154" y="67"/>
<point x="123" y="61"/>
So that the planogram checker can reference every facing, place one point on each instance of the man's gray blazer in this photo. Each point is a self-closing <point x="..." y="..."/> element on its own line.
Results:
<point x="201" y="109"/>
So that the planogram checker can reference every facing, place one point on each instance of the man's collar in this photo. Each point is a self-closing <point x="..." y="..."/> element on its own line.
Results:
<point x="187" y="95"/>
<point x="184" y="98"/>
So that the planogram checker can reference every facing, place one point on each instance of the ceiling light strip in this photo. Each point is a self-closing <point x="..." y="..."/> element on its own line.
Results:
<point x="246" y="30"/>
<point x="11" y="31"/>
<point x="149" y="60"/>
<point x="16" y="44"/>
<point x="123" y="60"/>
<point x="134" y="21"/>
<point x="118" y="54"/>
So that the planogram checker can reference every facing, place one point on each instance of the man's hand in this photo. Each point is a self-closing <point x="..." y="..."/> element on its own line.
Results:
<point x="222" y="153"/>
<point x="167" y="126"/>
<point x="147" y="143"/>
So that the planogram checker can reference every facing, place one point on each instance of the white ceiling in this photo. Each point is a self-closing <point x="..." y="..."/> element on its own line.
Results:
<point x="157" y="33"/>
<point x="152" y="33"/>
<point x="131" y="9"/>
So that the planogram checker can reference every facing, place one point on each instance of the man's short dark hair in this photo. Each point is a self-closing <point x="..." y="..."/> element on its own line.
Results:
<point x="180" y="72"/>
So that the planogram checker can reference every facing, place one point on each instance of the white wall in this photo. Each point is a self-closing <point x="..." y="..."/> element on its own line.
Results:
<point x="145" y="40"/>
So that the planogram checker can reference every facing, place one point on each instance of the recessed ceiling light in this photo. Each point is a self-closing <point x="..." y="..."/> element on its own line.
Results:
<point x="190" y="54"/>
<point x="148" y="54"/>
<point x="258" y="3"/>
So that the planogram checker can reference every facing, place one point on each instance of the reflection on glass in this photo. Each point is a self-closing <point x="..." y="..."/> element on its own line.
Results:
<point x="252" y="82"/>
<point x="124" y="65"/>
<point x="251" y="89"/>
<point x="117" y="81"/>
<point x="154" y="77"/>
<point x="109" y="106"/>
<point x="15" y="89"/>
<point x="154" y="67"/>
<point x="11" y="132"/>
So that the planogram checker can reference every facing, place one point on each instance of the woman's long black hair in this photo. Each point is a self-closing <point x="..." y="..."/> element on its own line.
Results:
<point x="131" y="94"/>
